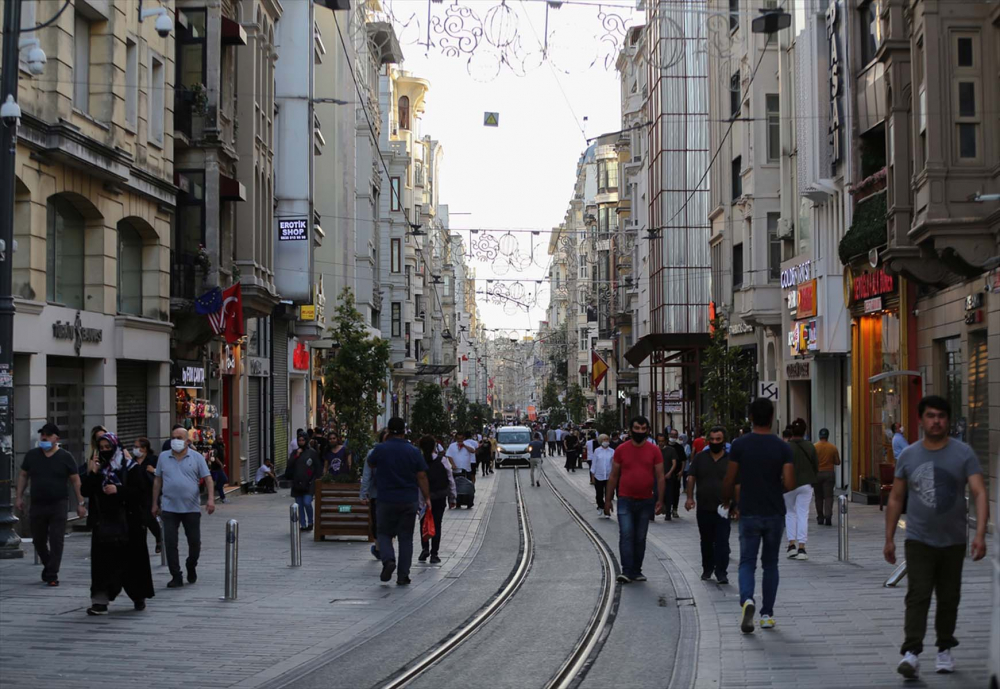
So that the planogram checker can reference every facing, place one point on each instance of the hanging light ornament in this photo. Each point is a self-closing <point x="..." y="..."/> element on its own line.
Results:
<point x="500" y="25"/>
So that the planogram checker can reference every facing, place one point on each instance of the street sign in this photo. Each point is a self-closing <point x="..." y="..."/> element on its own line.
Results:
<point x="767" y="390"/>
<point x="491" y="119"/>
<point x="621" y="394"/>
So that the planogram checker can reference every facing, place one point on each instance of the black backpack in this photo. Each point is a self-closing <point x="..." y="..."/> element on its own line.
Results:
<point x="437" y="477"/>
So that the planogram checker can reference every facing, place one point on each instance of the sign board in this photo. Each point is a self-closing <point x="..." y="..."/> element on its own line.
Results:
<point x="293" y="274"/>
<point x="870" y="284"/>
<point x="193" y="375"/>
<point x="790" y="277"/>
<point x="797" y="370"/>
<point x="872" y="305"/>
<point x="343" y="508"/>
<point x="307" y="312"/>
<point x="670" y="402"/>
<point x="76" y="333"/>
<point x="806" y="299"/>
<point x="491" y="119"/>
<point x="768" y="389"/>
<point x="260" y="367"/>
<point x="740" y="328"/>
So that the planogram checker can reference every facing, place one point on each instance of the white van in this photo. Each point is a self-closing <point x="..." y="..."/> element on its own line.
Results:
<point x="512" y="446"/>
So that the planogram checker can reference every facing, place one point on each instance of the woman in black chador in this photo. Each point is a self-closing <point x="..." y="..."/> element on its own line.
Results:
<point x="119" y="558"/>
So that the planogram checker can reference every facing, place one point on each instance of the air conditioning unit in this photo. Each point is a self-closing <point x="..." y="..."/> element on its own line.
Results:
<point x="786" y="228"/>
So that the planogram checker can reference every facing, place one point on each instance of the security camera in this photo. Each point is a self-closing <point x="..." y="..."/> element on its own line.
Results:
<point x="36" y="56"/>
<point x="10" y="112"/>
<point x="164" y="25"/>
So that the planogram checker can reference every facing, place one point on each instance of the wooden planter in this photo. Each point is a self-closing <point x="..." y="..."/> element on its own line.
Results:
<point x="339" y="511"/>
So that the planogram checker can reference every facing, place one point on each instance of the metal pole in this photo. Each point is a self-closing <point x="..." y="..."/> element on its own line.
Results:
<point x="10" y="543"/>
<point x="232" y="558"/>
<point x="163" y="547"/>
<point x="295" y="535"/>
<point x="843" y="553"/>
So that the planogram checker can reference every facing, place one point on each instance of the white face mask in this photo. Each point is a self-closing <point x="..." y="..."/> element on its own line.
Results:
<point x="137" y="452"/>
<point x="605" y="444"/>
<point x="177" y="444"/>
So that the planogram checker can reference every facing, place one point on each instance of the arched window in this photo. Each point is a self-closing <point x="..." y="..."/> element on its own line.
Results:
<point x="404" y="112"/>
<point x="129" y="269"/>
<point x="64" y="253"/>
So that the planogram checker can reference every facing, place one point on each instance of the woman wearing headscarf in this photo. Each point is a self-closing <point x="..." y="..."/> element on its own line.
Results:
<point x="119" y="558"/>
<point x="443" y="492"/>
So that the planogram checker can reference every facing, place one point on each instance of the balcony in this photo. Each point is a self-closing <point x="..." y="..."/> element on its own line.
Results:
<point x="758" y="305"/>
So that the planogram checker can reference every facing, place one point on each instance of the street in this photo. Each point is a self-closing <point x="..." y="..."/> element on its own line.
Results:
<point x="331" y="623"/>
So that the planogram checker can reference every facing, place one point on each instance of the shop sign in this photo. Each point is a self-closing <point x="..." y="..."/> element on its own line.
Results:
<point x="740" y="328"/>
<point x="871" y="284"/>
<point x="669" y="402"/>
<point x="259" y="366"/>
<point x="300" y="357"/>
<point x="872" y="305"/>
<point x="293" y="272"/>
<point x="793" y="300"/>
<point x="832" y="30"/>
<point x="768" y="390"/>
<point x="307" y="312"/>
<point x="803" y="337"/>
<point x="77" y="333"/>
<point x="193" y="375"/>
<point x="294" y="230"/>
<point x="790" y="277"/>
<point x="806" y="299"/>
<point x="974" y="301"/>
<point x="797" y="370"/>
<point x="229" y="354"/>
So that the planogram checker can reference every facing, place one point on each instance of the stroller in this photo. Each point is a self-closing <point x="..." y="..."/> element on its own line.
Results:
<point x="466" y="490"/>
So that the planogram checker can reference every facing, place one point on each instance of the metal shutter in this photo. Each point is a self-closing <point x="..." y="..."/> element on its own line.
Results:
<point x="254" y="427"/>
<point x="131" y="401"/>
<point x="279" y="392"/>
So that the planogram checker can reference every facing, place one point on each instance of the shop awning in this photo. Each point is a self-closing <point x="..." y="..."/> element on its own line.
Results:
<point x="383" y="38"/>
<point x="583" y="368"/>
<point x="233" y="33"/>
<point x="665" y="342"/>
<point x="231" y="189"/>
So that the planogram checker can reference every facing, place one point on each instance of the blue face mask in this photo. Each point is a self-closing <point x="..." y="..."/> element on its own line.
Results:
<point x="45" y="444"/>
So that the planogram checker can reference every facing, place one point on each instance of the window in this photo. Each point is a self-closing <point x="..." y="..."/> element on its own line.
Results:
<point x="773" y="247"/>
<point x="773" y="105"/>
<point x="64" y="254"/>
<point x="81" y="64"/>
<point x="157" y="85"/>
<point x="951" y="370"/>
<point x="190" y="232"/>
<point x="395" y="202"/>
<point x="396" y="255"/>
<point x="717" y="272"/>
<point x="583" y="301"/>
<point x="131" y="83"/>
<point x="404" y="112"/>
<point x="397" y="318"/>
<point x="737" y="266"/>
<point x="584" y="339"/>
<point x="872" y="35"/>
<point x="406" y="339"/>
<point x="734" y="95"/>
<point x="583" y="266"/>
<point x="965" y="99"/>
<point x="965" y="58"/>
<point x="737" y="181"/>
<point x="607" y="174"/>
<point x="129" y="269"/>
<point x="734" y="15"/>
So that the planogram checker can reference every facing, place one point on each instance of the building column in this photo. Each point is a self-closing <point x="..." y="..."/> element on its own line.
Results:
<point x="30" y="401"/>
<point x="100" y="394"/>
<point x="159" y="401"/>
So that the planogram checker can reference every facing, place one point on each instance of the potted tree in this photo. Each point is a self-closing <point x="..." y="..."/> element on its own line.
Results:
<point x="354" y="376"/>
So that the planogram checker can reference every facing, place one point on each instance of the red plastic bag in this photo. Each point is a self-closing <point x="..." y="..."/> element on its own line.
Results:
<point x="427" y="530"/>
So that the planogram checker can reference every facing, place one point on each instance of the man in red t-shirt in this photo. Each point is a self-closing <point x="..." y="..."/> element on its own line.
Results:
<point x="699" y="442"/>
<point x="636" y="469"/>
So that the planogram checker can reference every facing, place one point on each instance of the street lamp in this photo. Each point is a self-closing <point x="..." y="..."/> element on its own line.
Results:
<point x="771" y="21"/>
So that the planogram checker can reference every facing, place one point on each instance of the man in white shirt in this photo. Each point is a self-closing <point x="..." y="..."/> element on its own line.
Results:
<point x="265" y="477"/>
<point x="601" y="459"/>
<point x="462" y="455"/>
<point x="559" y="439"/>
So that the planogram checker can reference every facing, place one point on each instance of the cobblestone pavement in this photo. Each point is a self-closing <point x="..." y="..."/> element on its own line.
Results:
<point x="837" y="626"/>
<point x="283" y="617"/>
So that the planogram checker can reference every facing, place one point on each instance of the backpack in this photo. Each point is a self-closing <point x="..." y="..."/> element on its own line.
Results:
<point x="437" y="477"/>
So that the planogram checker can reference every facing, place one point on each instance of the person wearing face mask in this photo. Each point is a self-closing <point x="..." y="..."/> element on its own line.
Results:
<point x="636" y="471"/>
<point x="142" y="452"/>
<point x="677" y="475"/>
<point x="302" y="469"/>
<point x="601" y="459"/>
<point x="708" y="470"/>
<point x="178" y="473"/>
<point x="118" y="557"/>
<point x="671" y="468"/>
<point x="49" y="469"/>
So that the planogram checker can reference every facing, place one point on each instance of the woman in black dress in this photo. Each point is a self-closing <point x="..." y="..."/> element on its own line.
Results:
<point x="572" y="446"/>
<point x="119" y="558"/>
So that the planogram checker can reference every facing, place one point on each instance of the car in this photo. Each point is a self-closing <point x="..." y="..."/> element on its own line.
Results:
<point x="512" y="446"/>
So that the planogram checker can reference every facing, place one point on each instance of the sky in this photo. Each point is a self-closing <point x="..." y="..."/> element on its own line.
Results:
<point x="519" y="175"/>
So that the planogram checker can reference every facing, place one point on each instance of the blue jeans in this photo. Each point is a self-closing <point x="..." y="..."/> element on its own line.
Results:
<point x="753" y="532"/>
<point x="305" y="503"/>
<point x="633" y="523"/>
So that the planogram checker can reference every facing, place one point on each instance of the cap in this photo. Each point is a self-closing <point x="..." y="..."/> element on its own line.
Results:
<point x="49" y="429"/>
<point x="397" y="425"/>
<point x="824" y="433"/>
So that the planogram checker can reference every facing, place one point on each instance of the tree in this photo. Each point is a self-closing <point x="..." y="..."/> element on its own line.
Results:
<point x="550" y="395"/>
<point x="479" y="416"/>
<point x="576" y="403"/>
<point x="354" y="375"/>
<point x="728" y="376"/>
<point x="458" y="405"/>
<point x="608" y="420"/>
<point x="557" y="416"/>
<point x="427" y="416"/>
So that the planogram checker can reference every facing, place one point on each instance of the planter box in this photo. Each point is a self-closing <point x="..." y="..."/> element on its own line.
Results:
<point x="339" y="512"/>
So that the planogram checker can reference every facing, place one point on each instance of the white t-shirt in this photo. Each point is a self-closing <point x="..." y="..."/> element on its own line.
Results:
<point x="600" y="462"/>
<point x="590" y="449"/>
<point x="263" y="471"/>
<point x="463" y="457"/>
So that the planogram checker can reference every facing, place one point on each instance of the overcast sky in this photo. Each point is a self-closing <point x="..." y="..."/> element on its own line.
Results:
<point x="519" y="175"/>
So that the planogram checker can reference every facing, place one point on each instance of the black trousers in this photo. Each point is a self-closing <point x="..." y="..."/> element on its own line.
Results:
<point x="600" y="487"/>
<point x="673" y="492"/>
<point x="552" y="448"/>
<point x="437" y="509"/>
<point x="192" y="531"/>
<point x="938" y="571"/>
<point x="714" y="531"/>
<point x="266" y="485"/>
<point x="48" y="531"/>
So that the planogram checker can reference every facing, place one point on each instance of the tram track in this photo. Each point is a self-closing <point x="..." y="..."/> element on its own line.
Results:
<point x="584" y="651"/>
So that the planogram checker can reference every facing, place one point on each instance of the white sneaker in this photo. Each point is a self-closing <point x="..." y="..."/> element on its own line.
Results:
<point x="945" y="663"/>
<point x="909" y="666"/>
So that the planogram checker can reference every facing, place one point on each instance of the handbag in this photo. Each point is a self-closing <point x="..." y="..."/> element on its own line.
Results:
<point x="427" y="530"/>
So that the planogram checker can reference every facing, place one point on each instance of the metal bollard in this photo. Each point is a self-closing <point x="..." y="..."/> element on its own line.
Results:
<point x="294" y="535"/>
<point x="843" y="553"/>
<point x="163" y="545"/>
<point x="232" y="558"/>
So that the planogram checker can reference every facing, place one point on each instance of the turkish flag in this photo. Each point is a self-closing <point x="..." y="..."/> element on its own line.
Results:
<point x="228" y="320"/>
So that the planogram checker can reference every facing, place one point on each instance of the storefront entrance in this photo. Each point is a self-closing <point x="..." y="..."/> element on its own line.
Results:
<point x="64" y="388"/>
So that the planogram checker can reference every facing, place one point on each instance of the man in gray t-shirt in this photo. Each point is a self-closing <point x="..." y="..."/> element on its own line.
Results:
<point x="934" y="473"/>
<point x="179" y="472"/>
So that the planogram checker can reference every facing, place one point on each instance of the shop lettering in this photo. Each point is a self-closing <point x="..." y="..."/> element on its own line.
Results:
<point x="293" y="230"/>
<point x="193" y="375"/>
<point x="790" y="277"/>
<point x="873" y="284"/>
<point x="740" y="328"/>
<point x="793" y="300"/>
<point x="798" y="370"/>
<point x="832" y="24"/>
<point x="259" y="366"/>
<point x="77" y="333"/>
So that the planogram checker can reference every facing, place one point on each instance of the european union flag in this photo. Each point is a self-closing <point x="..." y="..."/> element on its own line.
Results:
<point x="209" y="302"/>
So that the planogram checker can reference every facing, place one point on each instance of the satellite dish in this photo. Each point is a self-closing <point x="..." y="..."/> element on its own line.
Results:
<point x="873" y="258"/>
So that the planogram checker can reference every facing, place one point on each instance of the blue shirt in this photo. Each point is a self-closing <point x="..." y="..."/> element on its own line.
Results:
<point x="181" y="479"/>
<point x="762" y="459"/>
<point x="396" y="464"/>
<point x="898" y="444"/>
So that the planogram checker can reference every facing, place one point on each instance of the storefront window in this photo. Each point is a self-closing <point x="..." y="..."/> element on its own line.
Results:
<point x="880" y="354"/>
<point x="950" y="351"/>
